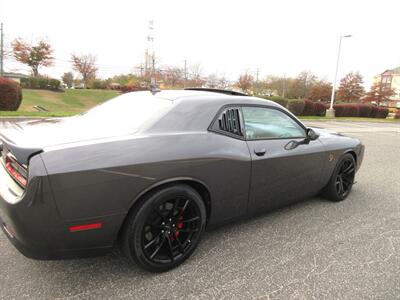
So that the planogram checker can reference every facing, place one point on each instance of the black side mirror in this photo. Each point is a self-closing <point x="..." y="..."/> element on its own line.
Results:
<point x="311" y="134"/>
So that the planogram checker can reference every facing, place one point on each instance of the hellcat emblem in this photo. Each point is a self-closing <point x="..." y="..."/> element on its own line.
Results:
<point x="331" y="157"/>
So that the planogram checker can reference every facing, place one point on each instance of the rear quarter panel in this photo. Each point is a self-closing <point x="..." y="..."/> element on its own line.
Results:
<point x="107" y="178"/>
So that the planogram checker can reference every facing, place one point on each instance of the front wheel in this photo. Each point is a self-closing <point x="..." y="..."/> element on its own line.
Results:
<point x="341" y="182"/>
<point x="165" y="228"/>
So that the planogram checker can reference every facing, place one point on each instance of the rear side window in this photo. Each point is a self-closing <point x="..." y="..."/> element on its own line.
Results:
<point x="229" y="122"/>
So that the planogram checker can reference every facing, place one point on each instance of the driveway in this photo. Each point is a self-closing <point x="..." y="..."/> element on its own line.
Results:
<point x="314" y="249"/>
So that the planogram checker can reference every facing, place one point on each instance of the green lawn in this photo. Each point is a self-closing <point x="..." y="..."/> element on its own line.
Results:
<point x="65" y="103"/>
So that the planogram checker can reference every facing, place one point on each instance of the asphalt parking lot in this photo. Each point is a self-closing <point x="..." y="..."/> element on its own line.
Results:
<point x="312" y="250"/>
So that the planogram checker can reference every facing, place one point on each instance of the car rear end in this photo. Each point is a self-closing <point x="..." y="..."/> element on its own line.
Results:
<point x="29" y="215"/>
<point x="26" y="206"/>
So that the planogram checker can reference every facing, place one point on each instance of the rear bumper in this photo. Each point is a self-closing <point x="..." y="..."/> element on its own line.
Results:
<point x="38" y="232"/>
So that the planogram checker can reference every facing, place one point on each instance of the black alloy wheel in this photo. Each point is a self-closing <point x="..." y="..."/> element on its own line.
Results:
<point x="342" y="179"/>
<point x="166" y="228"/>
<point x="345" y="178"/>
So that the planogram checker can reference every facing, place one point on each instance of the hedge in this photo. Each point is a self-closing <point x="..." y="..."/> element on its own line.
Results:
<point x="319" y="109"/>
<point x="360" y="110"/>
<point x="44" y="83"/>
<point x="309" y="108"/>
<point x="10" y="94"/>
<point x="296" y="107"/>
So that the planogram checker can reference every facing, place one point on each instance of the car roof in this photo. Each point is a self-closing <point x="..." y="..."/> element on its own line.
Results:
<point x="204" y="96"/>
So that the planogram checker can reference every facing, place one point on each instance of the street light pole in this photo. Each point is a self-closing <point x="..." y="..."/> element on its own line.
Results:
<point x="331" y="112"/>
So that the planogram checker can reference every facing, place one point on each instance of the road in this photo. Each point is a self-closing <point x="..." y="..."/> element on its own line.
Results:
<point x="312" y="250"/>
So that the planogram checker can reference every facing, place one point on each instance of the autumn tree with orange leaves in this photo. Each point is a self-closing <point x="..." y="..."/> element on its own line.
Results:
<point x="85" y="65"/>
<point x="379" y="93"/>
<point x="33" y="55"/>
<point x="245" y="82"/>
<point x="351" y="88"/>
<point x="320" y="91"/>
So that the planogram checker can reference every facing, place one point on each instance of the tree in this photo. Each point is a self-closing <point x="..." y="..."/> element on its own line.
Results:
<point x="85" y="65"/>
<point x="350" y="88"/>
<point x="245" y="82"/>
<point x="300" y="86"/>
<point x="379" y="93"/>
<point x="274" y="85"/>
<point x="34" y="56"/>
<point x="68" y="79"/>
<point x="321" y="91"/>
<point x="173" y="77"/>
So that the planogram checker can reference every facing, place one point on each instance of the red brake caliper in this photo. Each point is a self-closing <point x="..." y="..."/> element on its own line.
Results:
<point x="180" y="226"/>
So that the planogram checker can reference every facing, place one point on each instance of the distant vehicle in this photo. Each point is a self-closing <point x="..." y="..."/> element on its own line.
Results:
<point x="150" y="171"/>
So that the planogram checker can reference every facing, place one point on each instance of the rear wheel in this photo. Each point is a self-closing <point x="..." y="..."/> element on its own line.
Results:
<point x="164" y="230"/>
<point x="342" y="179"/>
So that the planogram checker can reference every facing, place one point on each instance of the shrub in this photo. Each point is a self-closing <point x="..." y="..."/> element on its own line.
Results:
<point x="296" y="106"/>
<point x="97" y="84"/>
<point x="277" y="99"/>
<point x="10" y="94"/>
<point x="44" y="83"/>
<point x="309" y="108"/>
<point x="374" y="111"/>
<point x="353" y="110"/>
<point x="130" y="88"/>
<point x="365" y="110"/>
<point x="397" y="114"/>
<point x="346" y="110"/>
<point x="319" y="109"/>
<point x="382" y="112"/>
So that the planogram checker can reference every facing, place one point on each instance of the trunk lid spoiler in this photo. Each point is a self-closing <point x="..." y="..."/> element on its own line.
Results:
<point x="22" y="154"/>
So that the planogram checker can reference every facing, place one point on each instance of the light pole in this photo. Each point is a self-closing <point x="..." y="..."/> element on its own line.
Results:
<point x="331" y="112"/>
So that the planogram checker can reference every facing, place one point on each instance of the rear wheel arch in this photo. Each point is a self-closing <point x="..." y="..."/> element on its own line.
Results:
<point x="199" y="186"/>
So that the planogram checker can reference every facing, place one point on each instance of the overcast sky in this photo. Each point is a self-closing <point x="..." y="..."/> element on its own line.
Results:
<point x="227" y="37"/>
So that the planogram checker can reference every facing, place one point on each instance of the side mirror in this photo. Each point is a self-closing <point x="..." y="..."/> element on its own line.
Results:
<point x="311" y="134"/>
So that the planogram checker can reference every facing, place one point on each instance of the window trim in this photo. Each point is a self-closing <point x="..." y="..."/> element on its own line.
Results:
<point x="243" y="124"/>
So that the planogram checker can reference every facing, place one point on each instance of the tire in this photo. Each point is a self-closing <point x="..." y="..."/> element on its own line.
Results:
<point x="164" y="229"/>
<point x="338" y="189"/>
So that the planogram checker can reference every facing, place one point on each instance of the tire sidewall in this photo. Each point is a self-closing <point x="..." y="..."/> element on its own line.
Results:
<point x="332" y="182"/>
<point x="135" y="230"/>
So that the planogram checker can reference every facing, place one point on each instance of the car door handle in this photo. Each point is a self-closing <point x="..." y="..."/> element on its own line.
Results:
<point x="260" y="152"/>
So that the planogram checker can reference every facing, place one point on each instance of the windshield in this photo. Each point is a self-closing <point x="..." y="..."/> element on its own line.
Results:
<point x="127" y="112"/>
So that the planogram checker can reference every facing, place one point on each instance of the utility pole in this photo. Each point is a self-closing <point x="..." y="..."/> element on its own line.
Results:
<point x="1" y="51"/>
<point x="257" y="72"/>
<point x="185" y="75"/>
<point x="283" y="85"/>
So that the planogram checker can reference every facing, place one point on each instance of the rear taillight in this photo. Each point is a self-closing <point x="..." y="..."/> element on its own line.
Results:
<point x="17" y="171"/>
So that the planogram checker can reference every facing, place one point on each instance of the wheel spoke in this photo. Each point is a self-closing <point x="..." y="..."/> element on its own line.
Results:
<point x="158" y="248"/>
<point x="190" y="220"/>
<point x="170" y="248"/>
<point x="348" y="171"/>
<point x="150" y="243"/>
<point x="184" y="207"/>
<point x="189" y="230"/>
<point x="181" y="249"/>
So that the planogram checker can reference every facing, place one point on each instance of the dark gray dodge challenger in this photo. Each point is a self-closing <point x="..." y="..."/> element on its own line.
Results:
<point x="149" y="171"/>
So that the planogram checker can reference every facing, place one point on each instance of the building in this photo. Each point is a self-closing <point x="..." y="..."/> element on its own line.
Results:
<point x="15" y="76"/>
<point x="391" y="79"/>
